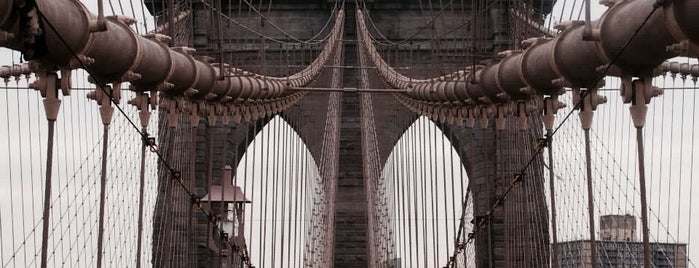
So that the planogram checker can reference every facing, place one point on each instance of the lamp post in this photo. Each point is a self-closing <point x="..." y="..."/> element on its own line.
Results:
<point x="226" y="204"/>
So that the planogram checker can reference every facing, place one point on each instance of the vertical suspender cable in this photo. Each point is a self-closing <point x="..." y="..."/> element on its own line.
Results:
<point x="434" y="188"/>
<point x="171" y="21"/>
<point x="237" y="251"/>
<point x="101" y="23"/>
<point x="423" y="189"/>
<point x="170" y="189"/>
<point x="225" y="180"/>
<point x="275" y="177"/>
<point x="453" y="187"/>
<point x="306" y="213"/>
<point x="141" y="193"/>
<point x="265" y="178"/>
<point x="488" y="185"/>
<point x="413" y="148"/>
<point x="175" y="258"/>
<point x="644" y="202"/>
<point x="474" y="27"/>
<point x="394" y="212"/>
<point x="297" y="194"/>
<point x="587" y="32"/>
<point x="426" y="133"/>
<point x="293" y="186"/>
<point x="47" y="194"/>
<point x="588" y="102"/>
<point x="219" y="36"/>
<point x="282" y="219"/>
<point x="51" y="105"/>
<point x="247" y="143"/>
<point x="444" y="187"/>
<point x="191" y="247"/>
<point x="444" y="193"/>
<point x="691" y="170"/>
<point x="209" y="178"/>
<point x="552" y="195"/>
<point x="404" y="190"/>
<point x="255" y="142"/>
<point x="173" y="206"/>
<point x="590" y="198"/>
<point x="551" y="105"/>
<point x="453" y="196"/>
<point x="106" y="111"/>
<point x="142" y="102"/>
<point x="103" y="186"/>
<point x="403" y="181"/>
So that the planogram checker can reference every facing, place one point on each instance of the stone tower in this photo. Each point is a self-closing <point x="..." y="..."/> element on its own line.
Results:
<point x="491" y="157"/>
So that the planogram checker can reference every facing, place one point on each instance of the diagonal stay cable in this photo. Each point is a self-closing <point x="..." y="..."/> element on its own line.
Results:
<point x="409" y="38"/>
<point x="245" y="27"/>
<point x="247" y="2"/>
<point x="577" y="105"/>
<point x="520" y="174"/>
<point x="174" y="173"/>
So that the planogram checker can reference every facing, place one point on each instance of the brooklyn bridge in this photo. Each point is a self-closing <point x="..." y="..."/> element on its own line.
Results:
<point x="353" y="133"/>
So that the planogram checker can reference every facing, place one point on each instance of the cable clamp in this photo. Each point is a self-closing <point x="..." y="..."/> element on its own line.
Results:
<point x="518" y="179"/>
<point x="497" y="204"/>
<point x="149" y="141"/>
<point x="153" y="148"/>
<point x="542" y="143"/>
<point x="144" y="137"/>
<point x="195" y="200"/>
<point x="482" y="221"/>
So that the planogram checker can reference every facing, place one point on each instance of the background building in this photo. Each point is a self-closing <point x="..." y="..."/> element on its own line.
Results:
<point x="618" y="228"/>
<point x="617" y="247"/>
